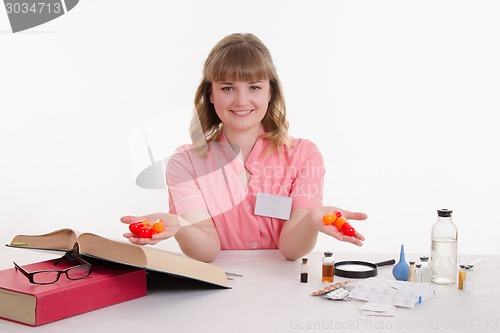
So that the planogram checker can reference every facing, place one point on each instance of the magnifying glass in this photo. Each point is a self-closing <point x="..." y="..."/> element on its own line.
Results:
<point x="359" y="269"/>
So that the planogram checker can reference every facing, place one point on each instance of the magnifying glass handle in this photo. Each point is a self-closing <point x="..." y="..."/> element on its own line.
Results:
<point x="385" y="263"/>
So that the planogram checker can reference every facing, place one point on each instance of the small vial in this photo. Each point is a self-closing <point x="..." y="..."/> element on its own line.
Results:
<point x="426" y="272"/>
<point x="461" y="277"/>
<point x="418" y="273"/>
<point x="327" y="270"/>
<point x="411" y="272"/>
<point x="469" y="278"/>
<point x="304" y="271"/>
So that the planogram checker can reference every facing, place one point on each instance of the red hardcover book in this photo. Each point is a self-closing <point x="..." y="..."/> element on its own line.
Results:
<point x="34" y="304"/>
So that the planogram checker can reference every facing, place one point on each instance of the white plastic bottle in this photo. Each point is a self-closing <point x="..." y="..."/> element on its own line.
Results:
<point x="444" y="249"/>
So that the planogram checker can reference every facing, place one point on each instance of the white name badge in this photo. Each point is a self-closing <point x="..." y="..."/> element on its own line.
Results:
<point x="276" y="206"/>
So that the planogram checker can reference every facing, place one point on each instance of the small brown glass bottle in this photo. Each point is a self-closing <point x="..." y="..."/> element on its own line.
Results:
<point x="327" y="267"/>
<point x="304" y="271"/>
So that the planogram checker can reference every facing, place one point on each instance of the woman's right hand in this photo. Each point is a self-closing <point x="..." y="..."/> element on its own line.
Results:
<point x="171" y="223"/>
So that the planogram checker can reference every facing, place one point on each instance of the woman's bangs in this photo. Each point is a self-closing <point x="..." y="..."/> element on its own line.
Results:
<point x="240" y="66"/>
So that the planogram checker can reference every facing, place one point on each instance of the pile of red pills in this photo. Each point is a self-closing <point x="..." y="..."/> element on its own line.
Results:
<point x="143" y="229"/>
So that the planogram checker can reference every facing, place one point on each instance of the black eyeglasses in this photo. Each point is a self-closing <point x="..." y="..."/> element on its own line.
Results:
<point x="50" y="276"/>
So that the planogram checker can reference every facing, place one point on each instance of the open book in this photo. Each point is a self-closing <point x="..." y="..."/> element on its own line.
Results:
<point x="149" y="258"/>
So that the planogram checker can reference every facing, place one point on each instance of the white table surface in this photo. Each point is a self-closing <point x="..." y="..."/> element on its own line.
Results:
<point x="270" y="298"/>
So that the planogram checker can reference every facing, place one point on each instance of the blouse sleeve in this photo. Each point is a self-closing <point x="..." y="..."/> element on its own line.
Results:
<point x="183" y="190"/>
<point x="307" y="188"/>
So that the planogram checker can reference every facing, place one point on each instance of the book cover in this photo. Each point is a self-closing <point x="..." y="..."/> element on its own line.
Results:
<point x="146" y="257"/>
<point x="35" y="304"/>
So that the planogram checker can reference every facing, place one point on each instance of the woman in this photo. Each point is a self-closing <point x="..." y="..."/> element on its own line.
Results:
<point x="243" y="183"/>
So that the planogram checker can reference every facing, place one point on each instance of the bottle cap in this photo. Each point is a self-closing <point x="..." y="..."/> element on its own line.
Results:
<point x="328" y="254"/>
<point x="444" y="212"/>
<point x="304" y="260"/>
<point x="424" y="258"/>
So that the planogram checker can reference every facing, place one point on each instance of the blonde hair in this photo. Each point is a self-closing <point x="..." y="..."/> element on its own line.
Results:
<point x="239" y="57"/>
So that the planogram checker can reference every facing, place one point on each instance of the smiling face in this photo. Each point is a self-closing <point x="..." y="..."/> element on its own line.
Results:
<point x="240" y="90"/>
<point x="241" y="105"/>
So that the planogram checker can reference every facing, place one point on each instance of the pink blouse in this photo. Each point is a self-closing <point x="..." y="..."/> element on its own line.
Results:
<point x="225" y="186"/>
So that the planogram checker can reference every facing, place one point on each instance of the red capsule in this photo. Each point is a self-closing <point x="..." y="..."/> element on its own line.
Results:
<point x="343" y="226"/>
<point x="347" y="229"/>
<point x="331" y="217"/>
<point x="135" y="227"/>
<point x="146" y="232"/>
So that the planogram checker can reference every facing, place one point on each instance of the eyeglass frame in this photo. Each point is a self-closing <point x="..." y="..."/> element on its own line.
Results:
<point x="68" y="255"/>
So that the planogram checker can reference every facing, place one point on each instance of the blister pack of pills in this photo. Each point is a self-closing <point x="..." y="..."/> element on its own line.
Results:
<point x="339" y="294"/>
<point x="331" y="287"/>
<point x="391" y="292"/>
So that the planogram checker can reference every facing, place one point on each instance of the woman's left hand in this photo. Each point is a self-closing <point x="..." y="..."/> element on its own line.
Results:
<point x="171" y="222"/>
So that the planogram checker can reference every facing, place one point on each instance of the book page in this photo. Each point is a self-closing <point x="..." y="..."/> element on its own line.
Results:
<point x="150" y="258"/>
<point x="62" y="240"/>
<point x="120" y="252"/>
<point x="18" y="306"/>
<point x="162" y="261"/>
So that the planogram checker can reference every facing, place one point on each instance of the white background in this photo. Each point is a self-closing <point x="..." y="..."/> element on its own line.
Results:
<point x="402" y="98"/>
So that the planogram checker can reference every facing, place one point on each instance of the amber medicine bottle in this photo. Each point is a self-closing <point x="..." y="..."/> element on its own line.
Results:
<point x="327" y="269"/>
